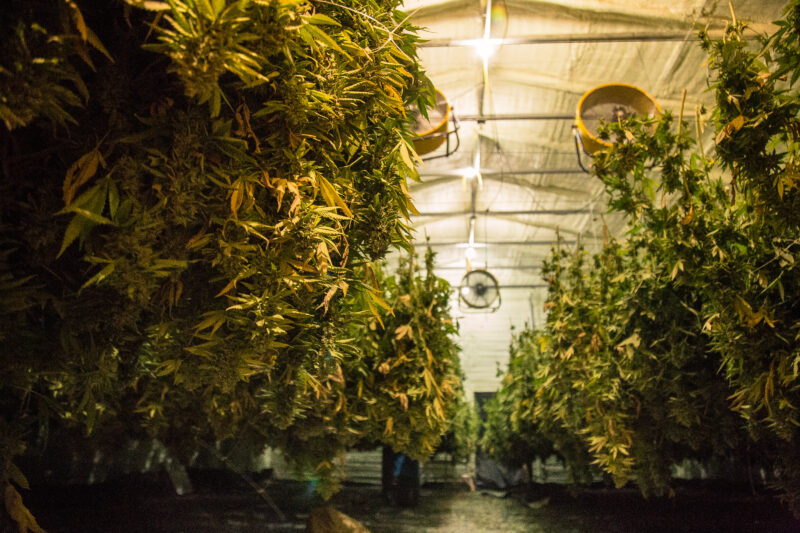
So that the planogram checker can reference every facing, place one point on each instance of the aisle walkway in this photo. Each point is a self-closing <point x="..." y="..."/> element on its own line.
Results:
<point x="449" y="510"/>
<point x="224" y="503"/>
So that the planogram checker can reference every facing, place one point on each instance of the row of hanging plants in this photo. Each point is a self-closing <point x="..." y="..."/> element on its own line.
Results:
<point x="680" y="341"/>
<point x="407" y="387"/>
<point x="192" y="193"/>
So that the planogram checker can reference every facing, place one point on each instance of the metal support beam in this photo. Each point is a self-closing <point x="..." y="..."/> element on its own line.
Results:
<point x="483" y="244"/>
<point x="510" y="116"/>
<point x="517" y="172"/>
<point x="507" y="179"/>
<point x="447" y="214"/>
<point x="533" y="286"/>
<point x="491" y="268"/>
<point x="622" y="37"/>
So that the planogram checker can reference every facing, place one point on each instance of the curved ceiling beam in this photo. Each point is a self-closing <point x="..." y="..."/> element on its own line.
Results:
<point x="518" y="212"/>
<point x="568" y="9"/>
<point x="566" y="230"/>
<point x="506" y="178"/>
<point x="644" y="15"/>
<point x="568" y="38"/>
<point x="546" y="225"/>
<point x="549" y="82"/>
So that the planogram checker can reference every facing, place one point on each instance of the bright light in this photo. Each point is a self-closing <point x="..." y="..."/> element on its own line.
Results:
<point x="485" y="48"/>
<point x="470" y="172"/>
<point x="470" y="253"/>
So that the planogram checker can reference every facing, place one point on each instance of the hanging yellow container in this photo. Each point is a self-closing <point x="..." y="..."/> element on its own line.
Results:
<point x="613" y="101"/>
<point x="431" y="133"/>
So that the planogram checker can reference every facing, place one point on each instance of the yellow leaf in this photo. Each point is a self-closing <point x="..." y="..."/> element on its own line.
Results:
<point x="375" y="312"/>
<point x="403" y="401"/>
<point x="380" y="301"/>
<point x="437" y="406"/>
<point x="327" y="300"/>
<point x="278" y="187"/>
<point x="214" y="319"/>
<point x="323" y="258"/>
<point x="332" y="198"/>
<point x="369" y="275"/>
<point x="689" y="216"/>
<point x="237" y="196"/>
<point x="231" y="284"/>
<point x="634" y="340"/>
<point x="19" y="513"/>
<point x="405" y="155"/>
<point x="730" y="128"/>
<point x="302" y="266"/>
<point x="16" y="475"/>
<point x="402" y="331"/>
<point x="201" y="239"/>
<point x="77" y="19"/>
<point x="411" y="207"/>
<point x="94" y="40"/>
<point x="150" y="5"/>
<point x="80" y="172"/>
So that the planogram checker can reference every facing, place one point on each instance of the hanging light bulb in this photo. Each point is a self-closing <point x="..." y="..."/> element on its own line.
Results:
<point x="485" y="48"/>
<point x="470" y="172"/>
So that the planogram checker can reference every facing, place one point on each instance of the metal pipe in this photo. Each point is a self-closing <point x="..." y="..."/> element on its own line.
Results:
<point x="508" y="213"/>
<point x="500" y="243"/>
<point x="503" y="267"/>
<point x="511" y="116"/>
<point x="571" y="38"/>
<point x="534" y="286"/>
<point x="520" y="172"/>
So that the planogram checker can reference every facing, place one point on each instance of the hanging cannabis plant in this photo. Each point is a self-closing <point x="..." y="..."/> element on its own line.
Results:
<point x="186" y="195"/>
<point x="407" y="387"/>
<point x="510" y="434"/>
<point x="681" y="341"/>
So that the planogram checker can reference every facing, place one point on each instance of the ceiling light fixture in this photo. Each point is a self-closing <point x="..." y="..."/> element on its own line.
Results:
<point x="485" y="48"/>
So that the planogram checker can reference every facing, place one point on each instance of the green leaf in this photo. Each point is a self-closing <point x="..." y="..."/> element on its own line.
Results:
<point x="323" y="38"/>
<point x="100" y="276"/>
<point x="320" y="19"/>
<point x="76" y="226"/>
<point x="94" y="217"/>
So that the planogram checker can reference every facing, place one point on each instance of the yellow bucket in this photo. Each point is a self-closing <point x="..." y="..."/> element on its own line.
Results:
<point x="431" y="133"/>
<point x="610" y="102"/>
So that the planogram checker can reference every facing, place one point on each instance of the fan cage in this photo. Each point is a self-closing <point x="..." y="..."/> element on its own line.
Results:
<point x="478" y="282"/>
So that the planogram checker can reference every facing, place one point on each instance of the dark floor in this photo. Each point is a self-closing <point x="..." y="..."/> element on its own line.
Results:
<point x="224" y="503"/>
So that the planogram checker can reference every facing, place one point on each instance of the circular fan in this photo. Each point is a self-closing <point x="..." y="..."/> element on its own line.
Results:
<point x="431" y="132"/>
<point x="479" y="289"/>
<point x="610" y="102"/>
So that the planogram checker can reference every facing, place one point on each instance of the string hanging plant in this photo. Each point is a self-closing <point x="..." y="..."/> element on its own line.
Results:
<point x="186" y="194"/>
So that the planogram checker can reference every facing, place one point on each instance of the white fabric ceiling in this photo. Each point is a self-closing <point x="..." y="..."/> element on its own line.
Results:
<point x="552" y="52"/>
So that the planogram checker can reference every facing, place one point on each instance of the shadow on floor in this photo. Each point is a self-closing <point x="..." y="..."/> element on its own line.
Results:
<point x="225" y="503"/>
